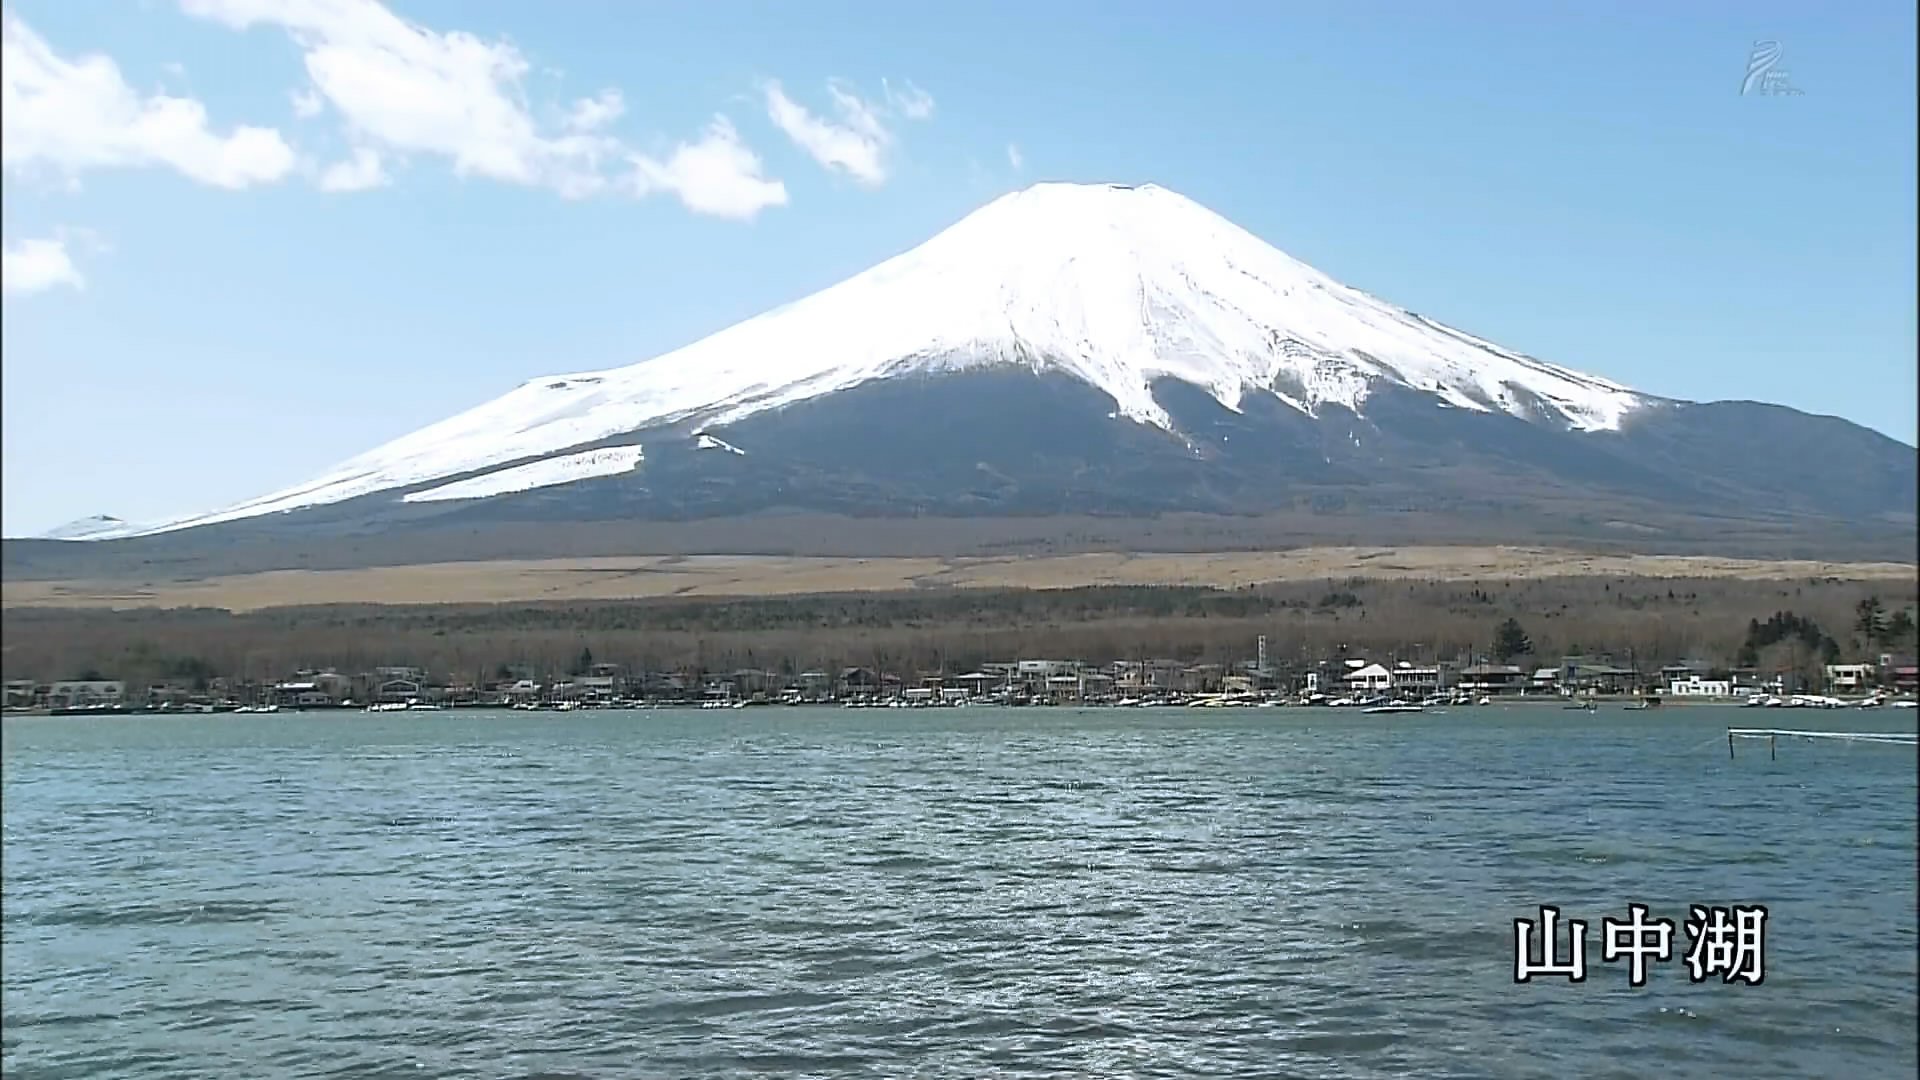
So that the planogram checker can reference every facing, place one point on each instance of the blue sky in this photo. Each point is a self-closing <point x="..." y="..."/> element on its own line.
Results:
<point x="375" y="222"/>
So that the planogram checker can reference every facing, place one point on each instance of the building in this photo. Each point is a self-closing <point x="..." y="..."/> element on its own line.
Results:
<point x="85" y="693"/>
<point x="1582" y="674"/>
<point x="1685" y="669"/>
<point x="396" y="685"/>
<point x="21" y="693"/>
<point x="1414" y="680"/>
<point x="1036" y="678"/>
<point x="755" y="684"/>
<point x="1493" y="679"/>
<point x="1371" y="679"/>
<point x="1096" y="686"/>
<point x="310" y="689"/>
<point x="301" y="694"/>
<point x="1852" y="678"/>
<point x="601" y="682"/>
<point x="1694" y="685"/>
<point x="992" y="677"/>
<point x="858" y="682"/>
<point x="1060" y="689"/>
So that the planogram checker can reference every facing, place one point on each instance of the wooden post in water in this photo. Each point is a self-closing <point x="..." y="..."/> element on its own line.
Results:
<point x="1729" y="745"/>
<point x="1773" y="748"/>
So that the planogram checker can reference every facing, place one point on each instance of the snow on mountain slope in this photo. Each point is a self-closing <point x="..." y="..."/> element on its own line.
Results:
<point x="1117" y="286"/>
<point x="704" y="441"/>
<point x="97" y="527"/>
<point x="546" y="472"/>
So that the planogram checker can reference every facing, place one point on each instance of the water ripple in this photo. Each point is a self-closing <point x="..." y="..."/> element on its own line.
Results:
<point x="969" y="894"/>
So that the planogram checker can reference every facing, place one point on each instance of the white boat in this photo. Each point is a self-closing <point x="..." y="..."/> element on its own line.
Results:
<point x="1400" y="707"/>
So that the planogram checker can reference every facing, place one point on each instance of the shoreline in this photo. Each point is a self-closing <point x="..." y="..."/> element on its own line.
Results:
<point x="1541" y="703"/>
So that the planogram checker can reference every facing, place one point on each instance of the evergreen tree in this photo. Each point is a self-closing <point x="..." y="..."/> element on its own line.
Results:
<point x="1899" y="628"/>
<point x="1870" y="620"/>
<point x="1509" y="641"/>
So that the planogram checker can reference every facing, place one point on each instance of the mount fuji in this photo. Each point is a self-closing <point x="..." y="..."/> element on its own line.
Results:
<point x="1100" y="349"/>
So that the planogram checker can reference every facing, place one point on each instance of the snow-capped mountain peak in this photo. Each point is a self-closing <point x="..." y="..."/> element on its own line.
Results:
<point x="1117" y="286"/>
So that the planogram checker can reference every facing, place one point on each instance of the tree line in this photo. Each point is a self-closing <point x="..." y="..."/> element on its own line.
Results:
<point x="1719" y="621"/>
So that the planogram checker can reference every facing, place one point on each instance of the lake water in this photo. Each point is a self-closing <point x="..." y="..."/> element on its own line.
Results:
<point x="961" y="893"/>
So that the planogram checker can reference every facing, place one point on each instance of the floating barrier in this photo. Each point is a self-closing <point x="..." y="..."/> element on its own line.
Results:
<point x="1773" y="735"/>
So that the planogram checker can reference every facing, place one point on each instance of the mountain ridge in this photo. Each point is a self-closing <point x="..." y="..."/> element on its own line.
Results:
<point x="1116" y="285"/>
<point x="1109" y="350"/>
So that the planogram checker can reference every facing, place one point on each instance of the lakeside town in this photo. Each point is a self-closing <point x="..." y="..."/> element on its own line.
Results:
<point x="1384" y="684"/>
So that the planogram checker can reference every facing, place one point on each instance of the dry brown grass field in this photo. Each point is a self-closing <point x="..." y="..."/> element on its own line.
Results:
<point x="696" y="576"/>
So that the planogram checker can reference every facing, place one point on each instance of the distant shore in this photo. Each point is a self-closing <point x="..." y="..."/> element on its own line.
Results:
<point x="1531" y="702"/>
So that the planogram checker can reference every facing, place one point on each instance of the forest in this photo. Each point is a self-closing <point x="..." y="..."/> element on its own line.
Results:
<point x="1720" y="622"/>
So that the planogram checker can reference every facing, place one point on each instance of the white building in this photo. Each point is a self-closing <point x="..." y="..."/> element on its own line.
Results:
<point x="1410" y="679"/>
<point x="75" y="693"/>
<point x="1851" y="678"/>
<point x="1695" y="686"/>
<point x="1372" y="679"/>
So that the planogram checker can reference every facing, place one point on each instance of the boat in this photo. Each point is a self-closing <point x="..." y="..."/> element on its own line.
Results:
<point x="1580" y="706"/>
<point x="1398" y="707"/>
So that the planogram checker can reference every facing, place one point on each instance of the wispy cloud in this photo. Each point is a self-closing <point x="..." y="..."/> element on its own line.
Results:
<point x="306" y="103"/>
<point x="594" y="113"/>
<point x="29" y="266"/>
<point x="1015" y="158"/>
<point x="70" y="116"/>
<point x="857" y="144"/>
<point x="363" y="171"/>
<point x="909" y="100"/>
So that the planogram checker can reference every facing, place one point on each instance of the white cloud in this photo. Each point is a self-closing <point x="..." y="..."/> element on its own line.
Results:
<point x="28" y="266"/>
<point x="307" y="104"/>
<point x="404" y="90"/>
<point x="909" y="101"/>
<point x="1015" y="158"/>
<point x="594" y="113"/>
<point x="71" y="116"/>
<point x="361" y="172"/>
<point x="858" y="143"/>
<point x="853" y="151"/>
<point x="718" y="175"/>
